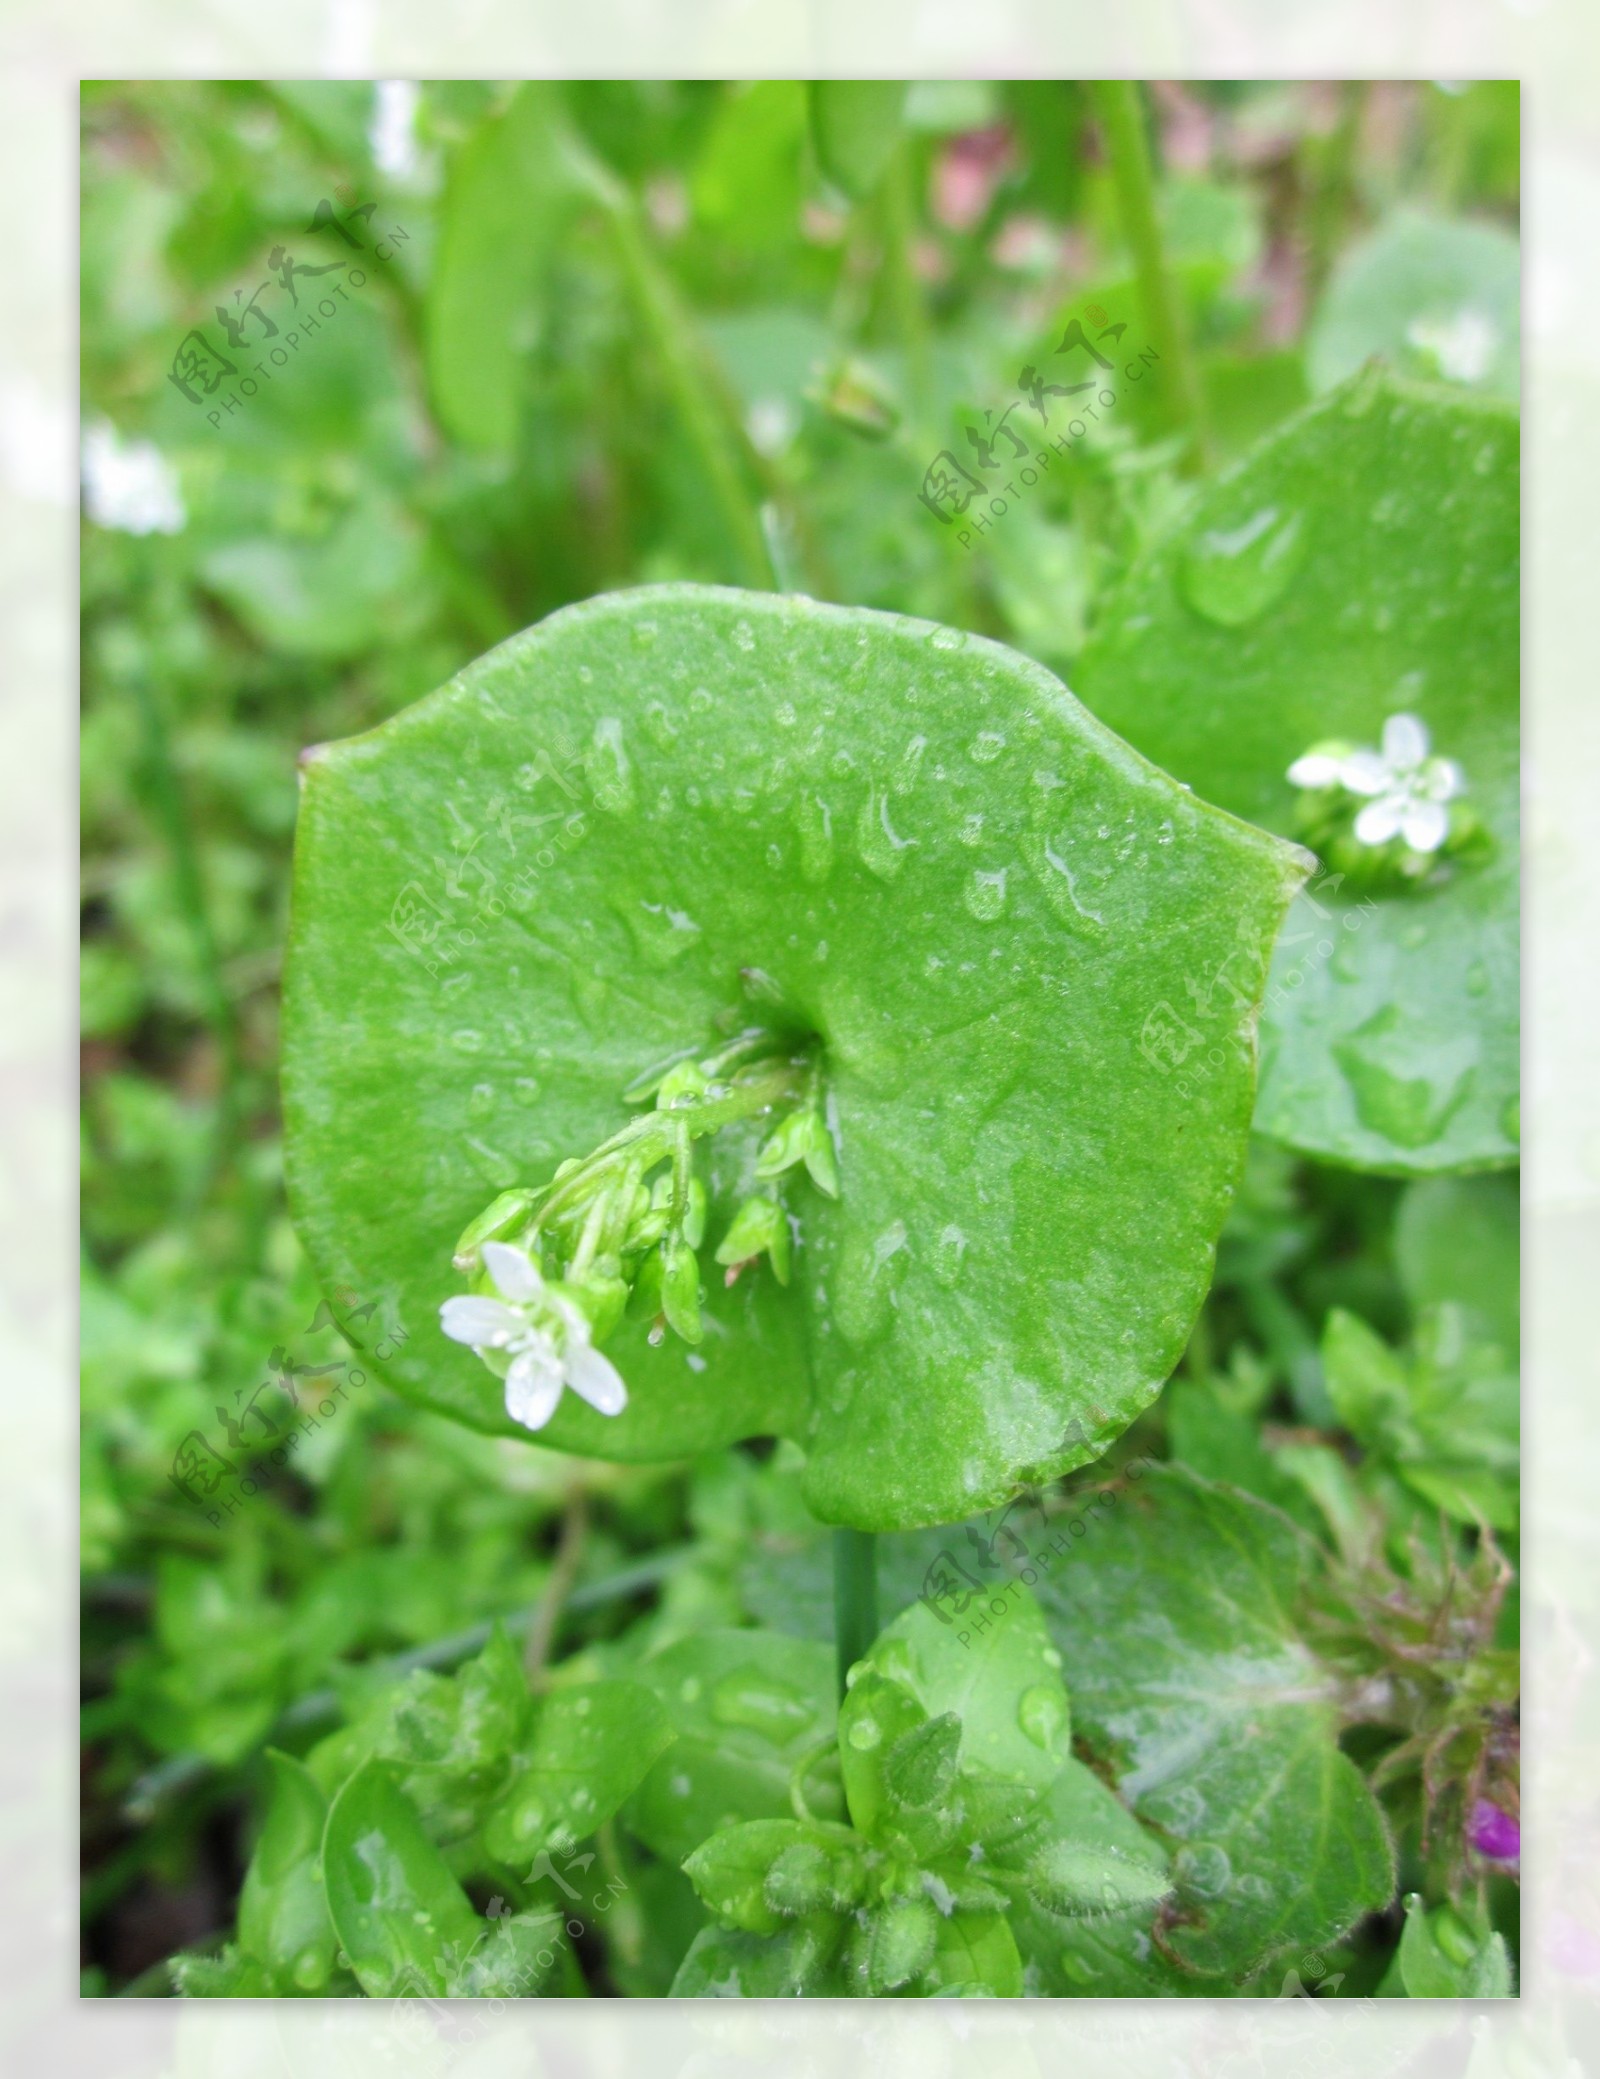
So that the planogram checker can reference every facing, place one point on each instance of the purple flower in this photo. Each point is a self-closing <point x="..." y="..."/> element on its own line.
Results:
<point x="1495" y="1834"/>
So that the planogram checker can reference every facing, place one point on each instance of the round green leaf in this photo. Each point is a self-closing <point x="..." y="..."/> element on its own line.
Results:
<point x="1440" y="300"/>
<point x="1360" y="563"/>
<point x="668" y="813"/>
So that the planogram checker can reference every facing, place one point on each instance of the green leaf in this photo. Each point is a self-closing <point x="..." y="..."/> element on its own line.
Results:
<point x="1444" y="1957"/>
<point x="401" y="1917"/>
<point x="746" y="1706"/>
<point x="974" y="1954"/>
<point x="592" y="1746"/>
<point x="283" y="1913"/>
<point x="1439" y="300"/>
<point x="855" y="126"/>
<point x="897" y="829"/>
<point x="1359" y="563"/>
<point x="733" y="1872"/>
<point x="1457" y="1239"/>
<point x="511" y="1961"/>
<point x="970" y="1730"/>
<point x="801" y="1962"/>
<point x="1190" y="1677"/>
<point x="509" y="196"/>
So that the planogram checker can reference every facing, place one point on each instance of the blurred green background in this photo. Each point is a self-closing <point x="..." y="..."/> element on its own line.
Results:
<point x="605" y="333"/>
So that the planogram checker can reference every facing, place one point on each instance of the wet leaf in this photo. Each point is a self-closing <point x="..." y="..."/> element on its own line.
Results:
<point x="1361" y="562"/>
<point x="401" y="1918"/>
<point x="283" y="1914"/>
<point x="591" y="1747"/>
<point x="1189" y="1676"/>
<point x="986" y="907"/>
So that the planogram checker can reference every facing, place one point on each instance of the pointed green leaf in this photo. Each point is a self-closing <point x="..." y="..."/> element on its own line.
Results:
<point x="855" y="126"/>
<point x="1443" y="1956"/>
<point x="1361" y="562"/>
<point x="401" y="1917"/>
<point x="283" y="1913"/>
<point x="592" y="1746"/>
<point x="984" y="905"/>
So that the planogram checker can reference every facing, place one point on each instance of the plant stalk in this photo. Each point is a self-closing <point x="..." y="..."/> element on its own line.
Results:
<point x="855" y="1596"/>
<point x="1116" y="102"/>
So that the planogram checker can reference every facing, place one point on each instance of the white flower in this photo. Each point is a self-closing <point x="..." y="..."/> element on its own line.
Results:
<point x="542" y="1332"/>
<point x="1406" y="789"/>
<point x="129" y="486"/>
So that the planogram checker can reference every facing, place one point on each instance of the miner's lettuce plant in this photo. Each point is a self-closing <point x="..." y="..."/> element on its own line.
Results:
<point x="935" y="1207"/>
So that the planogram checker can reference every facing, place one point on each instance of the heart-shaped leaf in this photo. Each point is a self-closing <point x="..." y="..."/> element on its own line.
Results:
<point x="671" y="813"/>
<point x="1359" y="564"/>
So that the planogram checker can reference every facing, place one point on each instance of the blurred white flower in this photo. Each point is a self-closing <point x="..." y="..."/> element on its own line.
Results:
<point x="1405" y="788"/>
<point x="392" y="135"/>
<point x="543" y="1333"/>
<point x="131" y="485"/>
<point x="1462" y="346"/>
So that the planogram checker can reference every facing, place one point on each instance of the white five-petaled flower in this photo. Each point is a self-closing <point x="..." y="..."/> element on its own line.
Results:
<point x="1406" y="789"/>
<point x="543" y="1333"/>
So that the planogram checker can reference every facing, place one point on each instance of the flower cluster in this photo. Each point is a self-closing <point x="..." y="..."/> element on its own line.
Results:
<point x="553" y="1271"/>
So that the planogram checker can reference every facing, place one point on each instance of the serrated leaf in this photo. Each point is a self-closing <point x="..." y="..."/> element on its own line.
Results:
<point x="283" y="1912"/>
<point x="1028" y="1204"/>
<point x="1360" y="562"/>
<point x="746" y="1707"/>
<point x="1191" y="1679"/>
<point x="591" y="1747"/>
<point x="401" y="1918"/>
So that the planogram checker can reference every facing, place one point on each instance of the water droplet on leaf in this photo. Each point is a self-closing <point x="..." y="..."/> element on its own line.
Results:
<point x="1231" y="575"/>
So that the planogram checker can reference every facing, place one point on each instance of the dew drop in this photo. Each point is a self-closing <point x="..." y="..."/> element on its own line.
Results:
<point x="662" y="934"/>
<point x="947" y="639"/>
<point x="1401" y="1089"/>
<point x="1042" y="1715"/>
<point x="986" y="747"/>
<point x="814" y="820"/>
<point x="948" y="1252"/>
<point x="766" y="1707"/>
<point x="971" y="831"/>
<point x="881" y="848"/>
<point x="784" y="715"/>
<point x="1231" y="575"/>
<point x="610" y="774"/>
<point x="744" y="636"/>
<point x="644" y="633"/>
<point x="865" y="1734"/>
<point x="1203" y="1868"/>
<point x="481" y="1103"/>
<point x="659" y="725"/>
<point x="985" y="894"/>
<point x="700" y="701"/>
<point x="466" y="1040"/>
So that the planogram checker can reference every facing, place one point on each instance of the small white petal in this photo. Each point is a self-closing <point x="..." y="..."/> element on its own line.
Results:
<point x="1425" y="825"/>
<point x="1364" y="772"/>
<point x="1316" y="769"/>
<point x="1405" y="742"/>
<point x="512" y="1270"/>
<point x="1379" y="820"/>
<point x="533" y="1386"/>
<point x="1442" y="780"/>
<point x="472" y="1317"/>
<point x="596" y="1378"/>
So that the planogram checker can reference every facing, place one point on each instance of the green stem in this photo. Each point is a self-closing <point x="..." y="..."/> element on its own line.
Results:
<point x="1333" y="186"/>
<point x="1117" y="104"/>
<point x="855" y="1597"/>
<point x="905" y="291"/>
<point x="656" y="1136"/>
<point x="177" y="823"/>
<point x="683" y="361"/>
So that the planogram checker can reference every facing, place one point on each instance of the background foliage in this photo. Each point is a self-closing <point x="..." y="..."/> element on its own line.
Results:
<point x="676" y="347"/>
